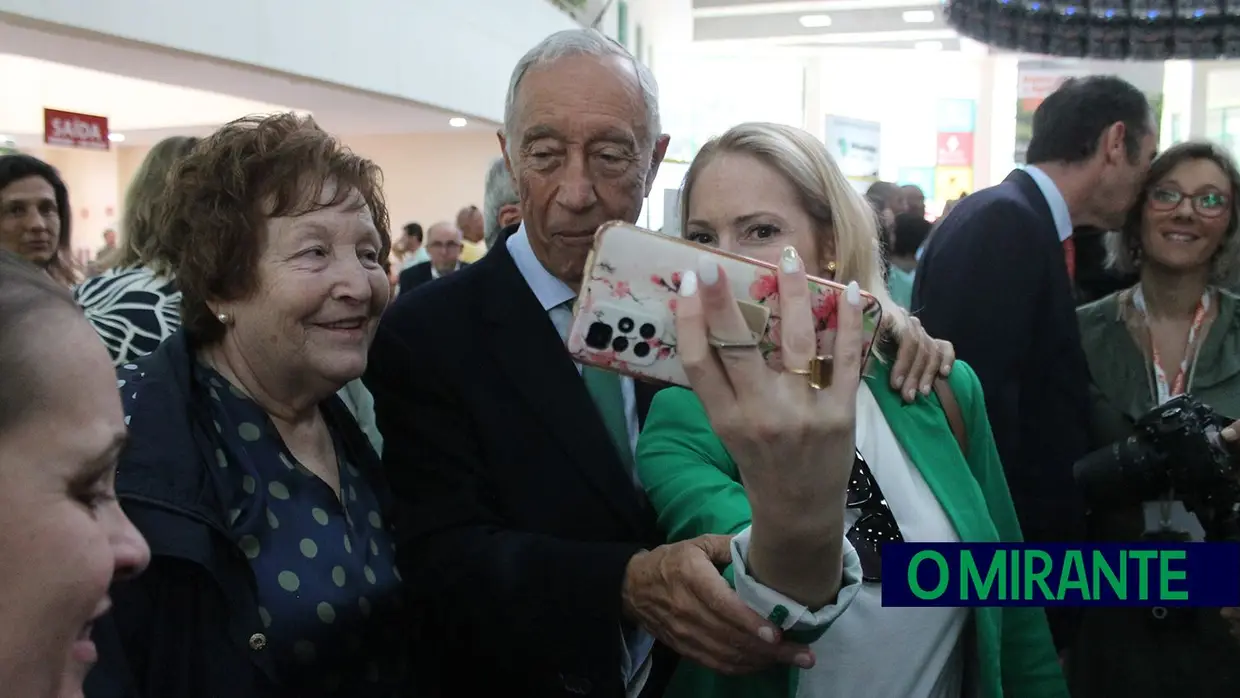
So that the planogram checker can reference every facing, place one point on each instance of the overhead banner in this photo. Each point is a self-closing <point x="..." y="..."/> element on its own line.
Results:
<point x="1037" y="79"/>
<point x="72" y="130"/>
<point x="855" y="146"/>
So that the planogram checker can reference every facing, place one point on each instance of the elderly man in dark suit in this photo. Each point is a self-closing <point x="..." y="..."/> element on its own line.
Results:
<point x="536" y="564"/>
<point x="995" y="280"/>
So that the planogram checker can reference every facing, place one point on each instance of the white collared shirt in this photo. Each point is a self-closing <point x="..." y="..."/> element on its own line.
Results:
<point x="552" y="294"/>
<point x="1054" y="198"/>
<point x="435" y="272"/>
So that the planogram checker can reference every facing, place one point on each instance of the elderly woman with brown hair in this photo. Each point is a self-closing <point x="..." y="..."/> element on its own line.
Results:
<point x="272" y="562"/>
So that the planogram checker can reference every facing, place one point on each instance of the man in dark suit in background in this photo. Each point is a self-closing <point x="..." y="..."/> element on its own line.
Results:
<point x="443" y="246"/>
<point x="995" y="281"/>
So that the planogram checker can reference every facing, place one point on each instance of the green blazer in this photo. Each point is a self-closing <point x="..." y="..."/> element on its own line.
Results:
<point x="695" y="489"/>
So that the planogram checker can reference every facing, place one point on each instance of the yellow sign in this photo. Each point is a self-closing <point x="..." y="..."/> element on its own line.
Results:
<point x="952" y="182"/>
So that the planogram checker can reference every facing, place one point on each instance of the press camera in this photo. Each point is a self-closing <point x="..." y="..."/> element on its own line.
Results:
<point x="1178" y="449"/>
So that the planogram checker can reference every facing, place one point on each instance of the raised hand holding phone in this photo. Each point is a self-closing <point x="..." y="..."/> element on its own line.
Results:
<point x="629" y="294"/>
<point x="791" y="432"/>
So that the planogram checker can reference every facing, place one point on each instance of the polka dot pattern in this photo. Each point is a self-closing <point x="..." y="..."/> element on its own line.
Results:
<point x="323" y="559"/>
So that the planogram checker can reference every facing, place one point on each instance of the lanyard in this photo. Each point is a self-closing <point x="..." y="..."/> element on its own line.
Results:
<point x="1176" y="386"/>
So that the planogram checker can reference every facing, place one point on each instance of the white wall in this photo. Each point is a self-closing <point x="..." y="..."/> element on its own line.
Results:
<point x="900" y="90"/>
<point x="426" y="178"/>
<point x="453" y="54"/>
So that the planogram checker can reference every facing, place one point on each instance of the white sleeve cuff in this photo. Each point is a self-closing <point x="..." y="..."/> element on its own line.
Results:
<point x="783" y="611"/>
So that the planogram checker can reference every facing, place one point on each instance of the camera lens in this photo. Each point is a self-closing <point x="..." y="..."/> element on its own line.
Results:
<point x="598" y="336"/>
<point x="625" y="325"/>
<point x="647" y="330"/>
<point x="619" y="344"/>
<point x="641" y="350"/>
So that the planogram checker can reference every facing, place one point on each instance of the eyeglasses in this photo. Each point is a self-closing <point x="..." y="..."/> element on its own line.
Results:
<point x="439" y="244"/>
<point x="1208" y="205"/>
<point x="875" y="526"/>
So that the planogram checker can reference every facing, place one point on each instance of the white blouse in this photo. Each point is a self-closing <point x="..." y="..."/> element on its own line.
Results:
<point x="869" y="651"/>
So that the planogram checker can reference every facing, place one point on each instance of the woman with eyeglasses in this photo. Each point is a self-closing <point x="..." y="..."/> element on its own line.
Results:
<point x="1177" y="331"/>
<point x="814" y="478"/>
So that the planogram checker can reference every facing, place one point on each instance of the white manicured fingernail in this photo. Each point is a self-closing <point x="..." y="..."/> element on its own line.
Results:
<point x="790" y="261"/>
<point x="708" y="270"/>
<point x="688" y="283"/>
<point x="852" y="294"/>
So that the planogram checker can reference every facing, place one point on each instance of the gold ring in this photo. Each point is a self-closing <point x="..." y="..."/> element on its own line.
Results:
<point x="819" y="372"/>
<point x="721" y="344"/>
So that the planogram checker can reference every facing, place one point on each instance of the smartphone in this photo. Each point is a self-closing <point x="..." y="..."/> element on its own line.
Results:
<point x="624" y="321"/>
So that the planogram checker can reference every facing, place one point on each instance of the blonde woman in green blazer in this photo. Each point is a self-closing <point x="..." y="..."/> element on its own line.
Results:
<point x="755" y="452"/>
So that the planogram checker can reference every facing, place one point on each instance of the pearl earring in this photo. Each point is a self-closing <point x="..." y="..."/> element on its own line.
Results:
<point x="831" y="268"/>
<point x="224" y="318"/>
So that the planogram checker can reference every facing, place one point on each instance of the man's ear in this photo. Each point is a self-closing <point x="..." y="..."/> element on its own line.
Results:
<point x="503" y="149"/>
<point x="656" y="159"/>
<point x="1114" y="149"/>
<point x="509" y="214"/>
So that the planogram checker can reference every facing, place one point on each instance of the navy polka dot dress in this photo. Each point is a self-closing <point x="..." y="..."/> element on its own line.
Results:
<point x="328" y="588"/>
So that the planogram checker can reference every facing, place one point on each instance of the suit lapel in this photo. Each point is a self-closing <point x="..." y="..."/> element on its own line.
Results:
<point x="923" y="432"/>
<point x="528" y="348"/>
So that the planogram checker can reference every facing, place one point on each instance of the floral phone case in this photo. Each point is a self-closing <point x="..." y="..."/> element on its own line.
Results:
<point x="623" y="318"/>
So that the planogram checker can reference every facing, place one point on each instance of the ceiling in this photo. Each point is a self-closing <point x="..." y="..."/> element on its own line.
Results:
<point x="892" y="24"/>
<point x="149" y="93"/>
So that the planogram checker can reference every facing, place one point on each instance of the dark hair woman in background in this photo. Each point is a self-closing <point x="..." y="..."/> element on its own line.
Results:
<point x="63" y="539"/>
<point x="272" y="568"/>
<point x="35" y="216"/>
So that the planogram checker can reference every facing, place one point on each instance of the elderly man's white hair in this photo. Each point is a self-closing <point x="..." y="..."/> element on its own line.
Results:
<point x="499" y="193"/>
<point x="579" y="42"/>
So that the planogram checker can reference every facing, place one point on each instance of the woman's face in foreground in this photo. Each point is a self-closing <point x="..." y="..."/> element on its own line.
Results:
<point x="63" y="536"/>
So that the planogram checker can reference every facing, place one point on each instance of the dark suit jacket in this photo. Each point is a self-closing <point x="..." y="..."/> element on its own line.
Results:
<point x="993" y="281"/>
<point x="417" y="275"/>
<point x="516" y="519"/>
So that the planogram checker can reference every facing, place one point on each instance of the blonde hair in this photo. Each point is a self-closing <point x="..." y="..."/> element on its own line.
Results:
<point x="137" y="226"/>
<point x="828" y="198"/>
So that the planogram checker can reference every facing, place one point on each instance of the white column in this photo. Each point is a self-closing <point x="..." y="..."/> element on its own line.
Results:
<point x="1000" y="117"/>
<point x="814" y="113"/>
<point x="1198" y="101"/>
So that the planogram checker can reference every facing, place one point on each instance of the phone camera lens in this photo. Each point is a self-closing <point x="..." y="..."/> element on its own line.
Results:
<point x="641" y="350"/>
<point x="647" y="330"/>
<point x="619" y="344"/>
<point x="625" y="325"/>
<point x="598" y="336"/>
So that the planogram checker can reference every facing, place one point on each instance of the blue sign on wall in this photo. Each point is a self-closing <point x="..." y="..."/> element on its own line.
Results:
<point x="957" y="115"/>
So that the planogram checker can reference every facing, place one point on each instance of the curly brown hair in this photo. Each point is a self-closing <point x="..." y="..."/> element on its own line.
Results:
<point x="220" y="196"/>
